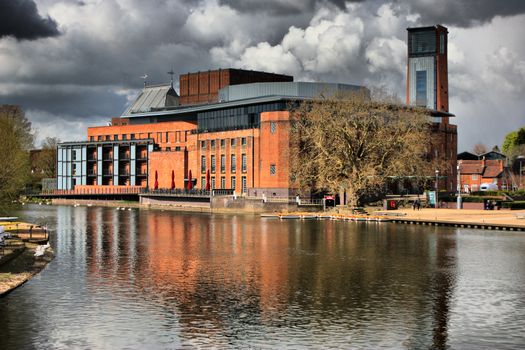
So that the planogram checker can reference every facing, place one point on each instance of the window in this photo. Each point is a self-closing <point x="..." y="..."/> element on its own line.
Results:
<point x="273" y="169"/>
<point x="243" y="184"/>
<point x="203" y="182"/>
<point x="177" y="148"/>
<point x="212" y="144"/>
<point x="223" y="143"/>
<point x="133" y="136"/>
<point x="223" y="182"/>
<point x="223" y="163"/>
<point x="168" y="149"/>
<point x="233" y="182"/>
<point x="233" y="163"/>
<point x="213" y="182"/>
<point x="203" y="164"/>
<point x="213" y="164"/>
<point x="108" y="137"/>
<point x="421" y="88"/>
<point x="124" y="136"/>
<point x="474" y="177"/>
<point x="92" y="138"/>
<point x="203" y="144"/>
<point x="167" y="137"/>
<point x="243" y="142"/>
<point x="243" y="163"/>
<point x="150" y="135"/>
<point x="441" y="43"/>
<point x="115" y="137"/>
<point x="273" y="127"/>
<point x="99" y="138"/>
<point x="159" y="137"/>
<point x="422" y="42"/>
<point x="233" y="142"/>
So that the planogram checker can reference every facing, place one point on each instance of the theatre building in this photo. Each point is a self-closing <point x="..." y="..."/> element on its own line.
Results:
<point x="230" y="129"/>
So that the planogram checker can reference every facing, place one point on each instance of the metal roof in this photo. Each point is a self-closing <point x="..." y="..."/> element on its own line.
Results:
<point x="210" y="106"/>
<point x="151" y="97"/>
<point x="289" y="89"/>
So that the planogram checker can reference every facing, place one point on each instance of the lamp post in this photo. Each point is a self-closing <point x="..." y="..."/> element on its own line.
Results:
<point x="521" y="159"/>
<point x="459" y="187"/>
<point x="437" y="188"/>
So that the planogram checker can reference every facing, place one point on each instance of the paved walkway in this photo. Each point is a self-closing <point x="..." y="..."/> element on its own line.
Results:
<point x="496" y="217"/>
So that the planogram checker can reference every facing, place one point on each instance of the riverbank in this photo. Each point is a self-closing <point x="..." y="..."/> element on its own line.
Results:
<point x="18" y="264"/>
<point x="485" y="219"/>
<point x="509" y="218"/>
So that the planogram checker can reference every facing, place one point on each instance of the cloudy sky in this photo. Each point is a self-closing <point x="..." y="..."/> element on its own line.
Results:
<point x="77" y="63"/>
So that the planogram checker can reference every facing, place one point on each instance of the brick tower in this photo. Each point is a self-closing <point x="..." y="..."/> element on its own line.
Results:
<point x="427" y="78"/>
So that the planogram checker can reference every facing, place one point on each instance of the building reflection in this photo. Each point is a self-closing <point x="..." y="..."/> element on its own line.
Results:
<point x="212" y="273"/>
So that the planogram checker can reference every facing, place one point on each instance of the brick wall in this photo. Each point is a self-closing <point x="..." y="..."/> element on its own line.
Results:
<point x="274" y="152"/>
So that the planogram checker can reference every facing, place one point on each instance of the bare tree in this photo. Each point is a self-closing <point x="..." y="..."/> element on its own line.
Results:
<point x="479" y="148"/>
<point x="45" y="162"/>
<point x="353" y="145"/>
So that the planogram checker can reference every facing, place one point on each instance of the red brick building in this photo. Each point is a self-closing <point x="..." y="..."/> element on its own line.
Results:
<point x="231" y="124"/>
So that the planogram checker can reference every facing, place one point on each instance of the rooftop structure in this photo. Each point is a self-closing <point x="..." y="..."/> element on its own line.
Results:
<point x="427" y="77"/>
<point x="153" y="97"/>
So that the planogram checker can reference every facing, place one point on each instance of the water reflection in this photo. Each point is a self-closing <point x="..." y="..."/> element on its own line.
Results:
<point x="161" y="279"/>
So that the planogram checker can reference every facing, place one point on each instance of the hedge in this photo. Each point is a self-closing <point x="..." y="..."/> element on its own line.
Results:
<point x="516" y="205"/>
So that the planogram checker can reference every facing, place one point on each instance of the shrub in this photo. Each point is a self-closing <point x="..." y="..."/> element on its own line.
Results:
<point x="516" y="205"/>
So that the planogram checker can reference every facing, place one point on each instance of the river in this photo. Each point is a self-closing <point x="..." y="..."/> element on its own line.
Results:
<point x="144" y="279"/>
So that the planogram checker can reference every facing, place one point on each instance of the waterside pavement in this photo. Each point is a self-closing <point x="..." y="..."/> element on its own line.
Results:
<point x="511" y="218"/>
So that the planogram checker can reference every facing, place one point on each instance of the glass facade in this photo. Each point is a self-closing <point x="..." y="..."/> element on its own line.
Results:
<point x="245" y="117"/>
<point x="422" y="42"/>
<point x="421" y="88"/>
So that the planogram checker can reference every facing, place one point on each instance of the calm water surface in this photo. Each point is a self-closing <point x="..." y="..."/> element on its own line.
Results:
<point x="154" y="280"/>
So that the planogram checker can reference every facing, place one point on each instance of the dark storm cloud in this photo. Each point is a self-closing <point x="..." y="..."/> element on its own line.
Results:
<point x="20" y="19"/>
<point x="281" y="7"/>
<point x="465" y="13"/>
<point x="72" y="101"/>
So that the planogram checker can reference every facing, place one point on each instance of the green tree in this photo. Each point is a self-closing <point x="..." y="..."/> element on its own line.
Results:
<point x="509" y="142"/>
<point x="353" y="145"/>
<point x="16" y="139"/>
<point x="514" y="143"/>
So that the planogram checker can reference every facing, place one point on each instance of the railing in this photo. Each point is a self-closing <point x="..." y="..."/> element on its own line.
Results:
<point x="223" y="192"/>
<point x="96" y="190"/>
<point x="180" y="192"/>
<point x="288" y="199"/>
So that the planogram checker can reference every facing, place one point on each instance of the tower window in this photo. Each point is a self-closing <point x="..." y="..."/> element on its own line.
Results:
<point x="421" y="88"/>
